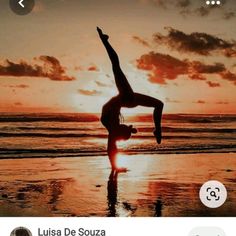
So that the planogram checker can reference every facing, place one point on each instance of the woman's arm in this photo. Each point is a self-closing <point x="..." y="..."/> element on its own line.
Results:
<point x="112" y="151"/>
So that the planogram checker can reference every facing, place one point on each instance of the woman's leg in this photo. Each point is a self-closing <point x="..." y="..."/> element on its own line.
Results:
<point x="147" y="101"/>
<point x="122" y="83"/>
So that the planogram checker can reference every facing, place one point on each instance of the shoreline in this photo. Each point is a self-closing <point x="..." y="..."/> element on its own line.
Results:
<point x="55" y="154"/>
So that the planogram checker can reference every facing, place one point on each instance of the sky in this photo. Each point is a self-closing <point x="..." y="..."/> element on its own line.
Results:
<point x="180" y="51"/>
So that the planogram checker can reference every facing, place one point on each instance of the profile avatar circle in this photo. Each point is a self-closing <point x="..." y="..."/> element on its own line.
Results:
<point x="21" y="231"/>
<point x="213" y="194"/>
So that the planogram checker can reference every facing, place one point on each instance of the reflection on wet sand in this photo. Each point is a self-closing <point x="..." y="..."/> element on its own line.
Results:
<point x="158" y="208"/>
<point x="112" y="193"/>
<point x="116" y="207"/>
<point x="33" y="196"/>
<point x="154" y="186"/>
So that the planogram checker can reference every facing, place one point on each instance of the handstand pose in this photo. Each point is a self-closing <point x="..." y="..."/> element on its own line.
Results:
<point x="126" y="98"/>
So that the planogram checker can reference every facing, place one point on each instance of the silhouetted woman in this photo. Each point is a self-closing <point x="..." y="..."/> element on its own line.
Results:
<point x="126" y="98"/>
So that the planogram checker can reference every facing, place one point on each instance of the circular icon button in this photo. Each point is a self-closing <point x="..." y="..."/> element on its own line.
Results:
<point x="22" y="7"/>
<point x="21" y="231"/>
<point x="213" y="194"/>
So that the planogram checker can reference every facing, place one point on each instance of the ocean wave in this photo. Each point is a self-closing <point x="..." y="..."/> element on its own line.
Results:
<point x="166" y="129"/>
<point x="181" y="135"/>
<point x="58" y="152"/>
<point x="90" y="117"/>
<point x="49" y="118"/>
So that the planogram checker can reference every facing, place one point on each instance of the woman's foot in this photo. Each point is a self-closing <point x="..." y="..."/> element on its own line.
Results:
<point x="157" y="134"/>
<point x="102" y="36"/>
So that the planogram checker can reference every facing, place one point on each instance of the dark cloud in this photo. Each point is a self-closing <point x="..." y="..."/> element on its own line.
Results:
<point x="213" y="84"/>
<point x="203" y="11"/>
<point x="141" y="41"/>
<point x="207" y="69"/>
<point x="227" y="75"/>
<point x="196" y="76"/>
<point x="166" y="4"/>
<point x="51" y="69"/>
<point x="163" y="67"/>
<point x="229" y="15"/>
<point x="159" y="3"/>
<point x="89" y="92"/>
<point x="190" y="7"/>
<point x="216" y="10"/>
<point x="183" y="3"/>
<point x="198" y="43"/>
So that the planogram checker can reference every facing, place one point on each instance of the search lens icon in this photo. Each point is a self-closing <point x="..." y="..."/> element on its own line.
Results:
<point x="213" y="194"/>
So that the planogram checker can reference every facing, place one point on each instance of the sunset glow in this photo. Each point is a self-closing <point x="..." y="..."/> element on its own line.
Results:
<point x="61" y="66"/>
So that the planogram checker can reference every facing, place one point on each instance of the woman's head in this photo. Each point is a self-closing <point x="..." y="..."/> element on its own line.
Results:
<point x="22" y="232"/>
<point x="123" y="132"/>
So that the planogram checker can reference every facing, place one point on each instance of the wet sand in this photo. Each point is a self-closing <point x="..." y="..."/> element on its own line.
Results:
<point x="155" y="185"/>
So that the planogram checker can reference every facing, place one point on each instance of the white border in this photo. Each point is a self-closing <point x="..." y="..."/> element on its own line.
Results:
<point x="121" y="226"/>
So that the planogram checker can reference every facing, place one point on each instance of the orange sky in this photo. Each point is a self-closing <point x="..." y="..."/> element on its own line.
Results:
<point x="180" y="52"/>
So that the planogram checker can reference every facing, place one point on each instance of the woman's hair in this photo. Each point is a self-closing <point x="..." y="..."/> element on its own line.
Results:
<point x="124" y="132"/>
<point x="22" y="232"/>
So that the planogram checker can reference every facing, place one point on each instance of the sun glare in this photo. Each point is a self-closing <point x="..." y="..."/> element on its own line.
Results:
<point x="122" y="161"/>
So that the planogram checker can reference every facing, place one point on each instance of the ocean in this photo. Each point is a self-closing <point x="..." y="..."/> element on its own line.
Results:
<point x="68" y="135"/>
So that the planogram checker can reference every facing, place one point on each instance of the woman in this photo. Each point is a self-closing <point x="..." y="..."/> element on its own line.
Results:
<point x="126" y="98"/>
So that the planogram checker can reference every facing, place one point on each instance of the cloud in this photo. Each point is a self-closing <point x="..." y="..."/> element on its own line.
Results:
<point x="207" y="69"/>
<point x="229" y="15"/>
<point x="51" y="69"/>
<point x="191" y="7"/>
<point x="165" y="4"/>
<point x="203" y="11"/>
<point x="163" y="67"/>
<point x="213" y="84"/>
<point x="100" y="84"/>
<point x="21" y="86"/>
<point x="183" y="3"/>
<point x="197" y="43"/>
<point x="78" y="68"/>
<point x="18" y="104"/>
<point x="56" y="71"/>
<point x="200" y="102"/>
<point x="141" y="41"/>
<point x="172" y="101"/>
<point x="222" y="103"/>
<point x="89" y="92"/>
<point x="93" y="68"/>
<point x="227" y="75"/>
